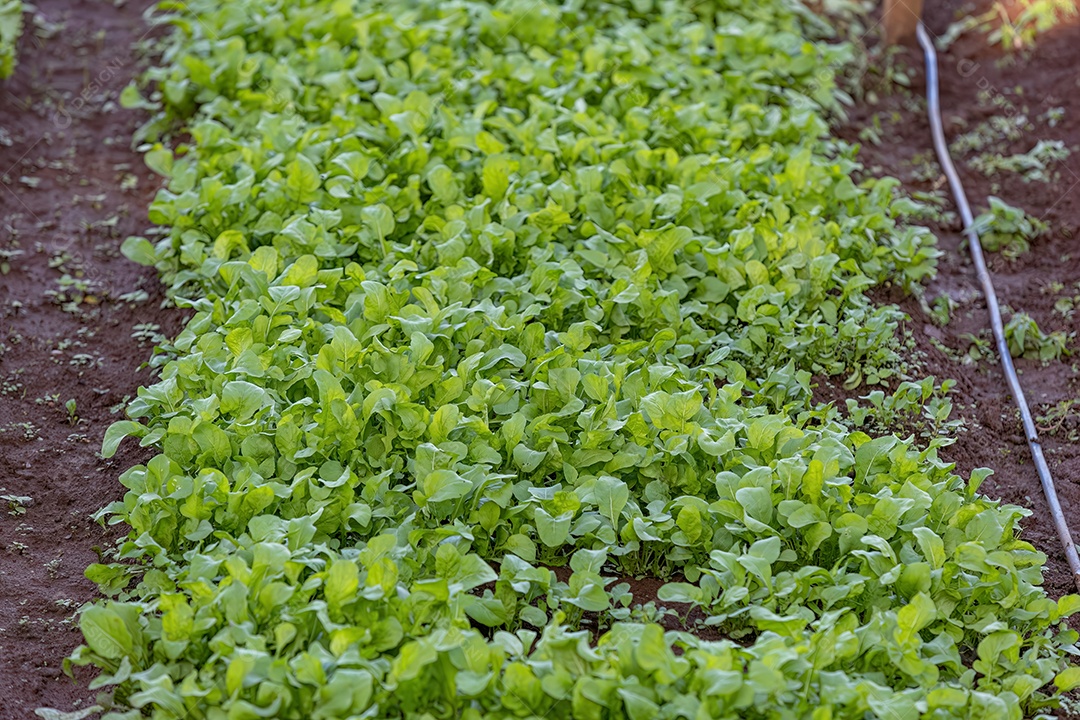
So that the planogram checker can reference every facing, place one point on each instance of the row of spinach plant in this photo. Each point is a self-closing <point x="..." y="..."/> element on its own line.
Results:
<point x="486" y="295"/>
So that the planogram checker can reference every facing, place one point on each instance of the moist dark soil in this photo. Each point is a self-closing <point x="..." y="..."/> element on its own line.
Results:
<point x="77" y="321"/>
<point x="1004" y="104"/>
<point x="1037" y="95"/>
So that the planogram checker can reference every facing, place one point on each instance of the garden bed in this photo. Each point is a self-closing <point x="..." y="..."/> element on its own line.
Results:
<point x="451" y="379"/>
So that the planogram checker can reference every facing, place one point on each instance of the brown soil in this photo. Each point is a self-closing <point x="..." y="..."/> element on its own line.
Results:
<point x="71" y="189"/>
<point x="979" y="82"/>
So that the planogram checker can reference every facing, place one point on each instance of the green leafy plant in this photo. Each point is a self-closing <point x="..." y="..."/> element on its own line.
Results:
<point x="72" y="411"/>
<point x="1008" y="229"/>
<point x="1055" y="417"/>
<point x="16" y="504"/>
<point x="11" y="12"/>
<point x="941" y="310"/>
<point x="1016" y="31"/>
<point x="995" y="132"/>
<point x="1036" y="165"/>
<point x="1026" y="339"/>
<point x="920" y="407"/>
<point x="979" y="347"/>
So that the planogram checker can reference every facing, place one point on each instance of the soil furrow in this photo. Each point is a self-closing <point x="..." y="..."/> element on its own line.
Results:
<point x="77" y="322"/>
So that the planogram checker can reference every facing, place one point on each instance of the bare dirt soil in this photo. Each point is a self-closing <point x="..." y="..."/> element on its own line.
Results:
<point x="1032" y="97"/>
<point x="77" y="321"/>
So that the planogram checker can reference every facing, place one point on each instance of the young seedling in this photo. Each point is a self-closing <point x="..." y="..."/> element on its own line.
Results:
<point x="1008" y="229"/>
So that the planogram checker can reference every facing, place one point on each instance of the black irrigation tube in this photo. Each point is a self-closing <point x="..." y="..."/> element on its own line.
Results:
<point x="975" y="246"/>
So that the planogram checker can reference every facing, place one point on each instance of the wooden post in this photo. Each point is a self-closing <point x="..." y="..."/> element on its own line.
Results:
<point x="900" y="18"/>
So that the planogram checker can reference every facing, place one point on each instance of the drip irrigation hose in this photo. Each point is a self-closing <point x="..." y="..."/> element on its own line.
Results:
<point x="975" y="246"/>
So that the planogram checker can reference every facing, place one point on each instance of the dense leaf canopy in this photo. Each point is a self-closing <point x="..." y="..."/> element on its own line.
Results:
<point x="486" y="291"/>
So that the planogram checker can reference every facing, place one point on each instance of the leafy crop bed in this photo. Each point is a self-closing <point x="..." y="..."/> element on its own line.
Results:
<point x="486" y="290"/>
